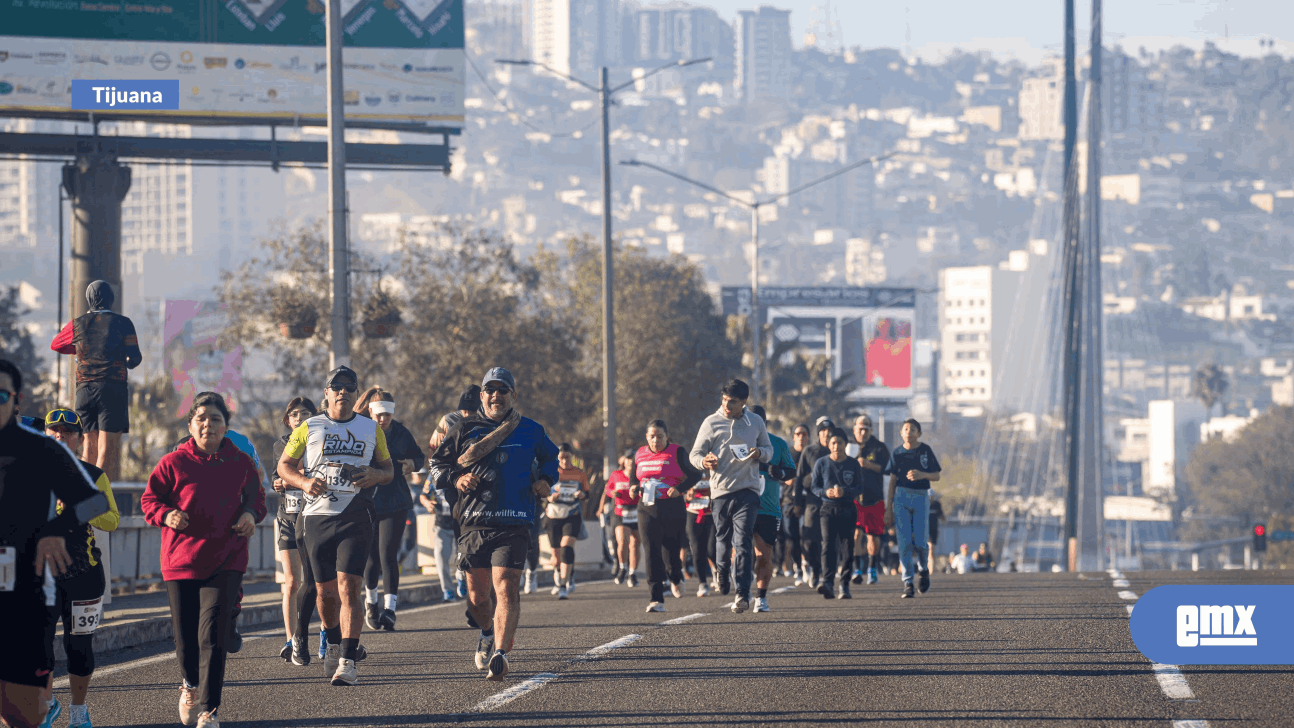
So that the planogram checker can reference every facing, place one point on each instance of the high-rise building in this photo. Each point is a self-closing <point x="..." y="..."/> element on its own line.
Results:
<point x="29" y="192"/>
<point x="763" y="54"/>
<point x="1040" y="103"/>
<point x="845" y="201"/>
<point x="975" y="306"/>
<point x="1131" y="95"/>
<point x="576" y="37"/>
<point x="679" y="32"/>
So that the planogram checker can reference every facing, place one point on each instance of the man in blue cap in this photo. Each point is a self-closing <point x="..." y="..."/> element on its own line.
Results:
<point x="487" y="459"/>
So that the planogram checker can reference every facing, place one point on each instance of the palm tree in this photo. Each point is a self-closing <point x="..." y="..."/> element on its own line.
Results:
<point x="1209" y="385"/>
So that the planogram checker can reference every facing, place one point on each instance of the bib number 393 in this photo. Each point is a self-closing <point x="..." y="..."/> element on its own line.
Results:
<point x="8" y="567"/>
<point x="86" y="616"/>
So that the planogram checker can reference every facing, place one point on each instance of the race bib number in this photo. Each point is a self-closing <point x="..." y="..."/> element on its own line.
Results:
<point x="657" y="486"/>
<point x="629" y="516"/>
<point x="292" y="501"/>
<point x="566" y="491"/>
<point x="86" y="616"/>
<point x="740" y="450"/>
<point x="8" y="567"/>
<point x="696" y="505"/>
<point x="337" y="481"/>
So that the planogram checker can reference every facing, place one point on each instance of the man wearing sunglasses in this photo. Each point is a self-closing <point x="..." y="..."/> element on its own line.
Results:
<point x="487" y="458"/>
<point x="34" y="549"/>
<point x="345" y="456"/>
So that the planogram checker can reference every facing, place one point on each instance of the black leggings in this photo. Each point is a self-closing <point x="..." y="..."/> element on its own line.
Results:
<point x="202" y="620"/>
<point x="532" y="556"/>
<point x="384" y="553"/>
<point x="79" y="647"/>
<point x="303" y="601"/>
<point x="661" y="529"/>
<point x="700" y="539"/>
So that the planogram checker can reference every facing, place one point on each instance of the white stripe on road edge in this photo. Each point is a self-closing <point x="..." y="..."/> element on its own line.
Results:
<point x="1190" y="724"/>
<point x="1121" y="584"/>
<point x="688" y="618"/>
<point x="63" y="682"/>
<point x="507" y="696"/>
<point x="783" y="590"/>
<point x="1129" y="608"/>
<point x="601" y="650"/>
<point x="1172" y="682"/>
<point x="1127" y="595"/>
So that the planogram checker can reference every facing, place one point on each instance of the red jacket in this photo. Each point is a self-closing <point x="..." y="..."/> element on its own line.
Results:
<point x="214" y="490"/>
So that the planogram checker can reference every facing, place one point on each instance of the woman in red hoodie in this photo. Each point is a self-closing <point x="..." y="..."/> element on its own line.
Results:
<point x="207" y="499"/>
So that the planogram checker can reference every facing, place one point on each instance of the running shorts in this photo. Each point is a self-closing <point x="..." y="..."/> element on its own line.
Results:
<point x="29" y="652"/>
<point x="767" y="528"/>
<point x="103" y="406"/>
<point x="557" y="530"/>
<point x="287" y="530"/>
<point x="506" y="547"/>
<point x="337" y="544"/>
<point x="871" y="518"/>
<point x="617" y="521"/>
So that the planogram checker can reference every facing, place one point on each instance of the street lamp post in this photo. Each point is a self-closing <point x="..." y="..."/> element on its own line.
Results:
<point x="338" y="261"/>
<point x="756" y="325"/>
<point x="605" y="91"/>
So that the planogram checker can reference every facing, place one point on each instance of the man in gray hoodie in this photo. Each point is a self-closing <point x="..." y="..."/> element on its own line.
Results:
<point x="730" y="445"/>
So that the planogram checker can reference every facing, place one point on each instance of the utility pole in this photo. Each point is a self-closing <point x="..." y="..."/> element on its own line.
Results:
<point x="339" y="258"/>
<point x="608" y="289"/>
<point x="1070" y="243"/>
<point x="756" y="321"/>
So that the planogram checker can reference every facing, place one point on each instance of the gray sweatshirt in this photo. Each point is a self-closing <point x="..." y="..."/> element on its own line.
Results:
<point x="717" y="435"/>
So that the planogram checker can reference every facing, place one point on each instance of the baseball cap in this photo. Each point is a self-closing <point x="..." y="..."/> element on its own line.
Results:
<point x="341" y="374"/>
<point x="499" y="374"/>
<point x="825" y="423"/>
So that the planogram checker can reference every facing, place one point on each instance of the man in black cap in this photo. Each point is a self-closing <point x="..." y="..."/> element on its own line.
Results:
<point x="345" y="456"/>
<point x="808" y="503"/>
<point x="499" y="463"/>
<point x="105" y="346"/>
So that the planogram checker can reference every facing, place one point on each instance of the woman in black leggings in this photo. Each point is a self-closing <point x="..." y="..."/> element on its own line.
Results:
<point x="392" y="502"/>
<point x="661" y="476"/>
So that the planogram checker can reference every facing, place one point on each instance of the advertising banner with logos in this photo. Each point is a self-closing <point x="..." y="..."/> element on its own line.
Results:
<point x="240" y="59"/>
<point x="867" y="331"/>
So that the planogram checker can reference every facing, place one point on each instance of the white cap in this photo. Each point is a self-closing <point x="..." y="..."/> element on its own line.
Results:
<point x="378" y="407"/>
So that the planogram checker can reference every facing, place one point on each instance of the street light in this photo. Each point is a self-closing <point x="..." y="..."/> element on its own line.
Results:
<point x="754" y="238"/>
<point x="604" y="91"/>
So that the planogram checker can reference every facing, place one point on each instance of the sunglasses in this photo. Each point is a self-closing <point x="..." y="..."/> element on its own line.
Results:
<point x="496" y="390"/>
<point x="5" y="396"/>
<point x="62" y="415"/>
<point x="348" y="388"/>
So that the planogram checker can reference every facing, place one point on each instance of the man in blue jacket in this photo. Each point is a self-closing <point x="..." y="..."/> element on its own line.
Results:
<point x="487" y="459"/>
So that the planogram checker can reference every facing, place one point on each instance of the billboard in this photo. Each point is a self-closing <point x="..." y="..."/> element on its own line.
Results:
<point x="239" y="60"/>
<point x="867" y="331"/>
<point x="192" y="357"/>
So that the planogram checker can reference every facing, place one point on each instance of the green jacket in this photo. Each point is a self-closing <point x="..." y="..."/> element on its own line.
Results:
<point x="770" y="502"/>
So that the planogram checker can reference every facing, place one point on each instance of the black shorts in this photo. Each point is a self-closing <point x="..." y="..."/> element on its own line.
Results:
<point x="337" y="544"/>
<point x="29" y="652"/>
<point x="933" y="533"/>
<point x="287" y="539"/>
<point x="506" y="547"/>
<point x="569" y="526"/>
<point x="103" y="406"/>
<point x="768" y="528"/>
<point x="617" y="521"/>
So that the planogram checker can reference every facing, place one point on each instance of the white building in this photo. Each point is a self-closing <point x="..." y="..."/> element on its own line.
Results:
<point x="1040" y="103"/>
<point x="576" y="37"/>
<point x="975" y="307"/>
<point x="763" y="55"/>
<point x="678" y="32"/>
<point x="864" y="263"/>
<point x="29" y="193"/>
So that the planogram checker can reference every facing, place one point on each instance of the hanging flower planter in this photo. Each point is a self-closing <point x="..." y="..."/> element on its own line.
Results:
<point x="297" y="318"/>
<point x="381" y="317"/>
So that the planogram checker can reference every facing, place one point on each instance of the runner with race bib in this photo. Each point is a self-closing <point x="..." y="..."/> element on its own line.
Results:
<point x="623" y="505"/>
<point x="565" y="519"/>
<point x="660" y="477"/>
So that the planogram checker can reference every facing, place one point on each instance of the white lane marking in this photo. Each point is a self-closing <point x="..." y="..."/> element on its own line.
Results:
<point x="601" y="650"/>
<point x="1127" y="595"/>
<point x="1172" y="682"/>
<point x="1129" y="608"/>
<point x="1190" y="724"/>
<point x="783" y="590"/>
<point x="1121" y="584"/>
<point x="507" y="696"/>
<point x="1115" y="574"/>
<point x="688" y="618"/>
<point x="63" y="682"/>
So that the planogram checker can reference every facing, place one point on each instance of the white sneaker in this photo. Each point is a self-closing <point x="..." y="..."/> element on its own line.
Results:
<point x="761" y="604"/>
<point x="656" y="607"/>
<point x="346" y="674"/>
<point x="484" y="646"/>
<point x="676" y="588"/>
<point x="557" y="586"/>
<point x="703" y="590"/>
<point x="529" y="588"/>
<point x="188" y="705"/>
<point x="570" y="585"/>
<point x="331" y="659"/>
<point x="562" y="593"/>
<point x="208" y="720"/>
<point x="740" y="604"/>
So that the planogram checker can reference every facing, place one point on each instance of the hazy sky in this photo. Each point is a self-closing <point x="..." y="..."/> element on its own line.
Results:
<point x="1029" y="28"/>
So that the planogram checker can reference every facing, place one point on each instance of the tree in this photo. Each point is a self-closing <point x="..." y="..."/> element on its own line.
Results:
<point x="17" y="346"/>
<point x="1209" y="385"/>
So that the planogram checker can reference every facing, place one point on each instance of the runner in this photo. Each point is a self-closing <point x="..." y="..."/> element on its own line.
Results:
<point x="207" y="498"/>
<point x="936" y="515"/>
<point x="913" y="467"/>
<point x="661" y="476"/>
<point x="34" y="549"/>
<point x="837" y="481"/>
<point x="811" y="527"/>
<point x="565" y="519"/>
<point x="444" y="539"/>
<point x="80" y="589"/>
<point x="298" y="587"/>
<point x="700" y="537"/>
<point x="622" y="507"/>
<point x="468" y="402"/>
<point x="488" y="458"/>
<point x="731" y="444"/>
<point x="768" y="524"/>
<point x="345" y="457"/>
<point x="392" y="501"/>
<point x="874" y="458"/>
<point x="788" y="552"/>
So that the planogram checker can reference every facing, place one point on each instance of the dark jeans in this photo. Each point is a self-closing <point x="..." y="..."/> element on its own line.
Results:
<point x="661" y="529"/>
<point x="837" y="524"/>
<point x="700" y="539"/>
<point x="734" y="527"/>
<point x="811" y="537"/>
<point x="789" y="544"/>
<point x="202" y="619"/>
<point x="532" y="556"/>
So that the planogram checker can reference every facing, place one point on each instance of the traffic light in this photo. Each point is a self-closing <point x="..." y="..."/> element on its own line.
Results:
<point x="1260" y="537"/>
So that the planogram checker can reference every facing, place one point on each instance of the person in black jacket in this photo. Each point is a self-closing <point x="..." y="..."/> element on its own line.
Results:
<point x="808" y="503"/>
<point x="299" y="593"/>
<point x="34" y="470"/>
<point x="392" y="501"/>
<point x="837" y="481"/>
<point x="105" y="345"/>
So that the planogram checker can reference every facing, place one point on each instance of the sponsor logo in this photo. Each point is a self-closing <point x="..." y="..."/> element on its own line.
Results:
<point x="321" y="66"/>
<point x="124" y="95"/>
<point x="372" y="100"/>
<point x="393" y="97"/>
<point x="1216" y="625"/>
<point x="91" y="58"/>
<point x="186" y="57"/>
<point x="335" y="445"/>
<point x="128" y="60"/>
<point x="239" y="63"/>
<point x="16" y="55"/>
<point x="25" y="90"/>
<point x="5" y="88"/>
<point x="416" y="98"/>
<point x="351" y="98"/>
<point x="408" y="67"/>
<point x="259" y="64"/>
<point x="272" y="93"/>
<point x="4" y="56"/>
<point x="195" y="90"/>
<point x="215" y="62"/>
<point x="293" y="64"/>
<point x="51" y="57"/>
<point x="159" y="61"/>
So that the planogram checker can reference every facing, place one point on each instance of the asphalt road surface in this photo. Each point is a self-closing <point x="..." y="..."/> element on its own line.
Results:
<point x="982" y="649"/>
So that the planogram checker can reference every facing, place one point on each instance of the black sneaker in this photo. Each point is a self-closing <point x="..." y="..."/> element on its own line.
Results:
<point x="286" y="652"/>
<point x="360" y="653"/>
<point x="725" y="584"/>
<point x="844" y="591"/>
<point x="300" y="652"/>
<point x="908" y="592"/>
<point x="619" y="577"/>
<point x="827" y="591"/>
<point x="387" y="620"/>
<point x="235" y="642"/>
<point x="923" y="582"/>
<point x="498" y="666"/>
<point x="858" y="577"/>
<point x="372" y="615"/>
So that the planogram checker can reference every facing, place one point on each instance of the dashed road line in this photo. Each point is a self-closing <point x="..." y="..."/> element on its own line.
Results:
<point x="783" y="590"/>
<point x="1128" y="595"/>
<point x="507" y="696"/>
<point x="601" y="650"/>
<point x="1190" y="724"/>
<point x="688" y="618"/>
<point x="1172" y="682"/>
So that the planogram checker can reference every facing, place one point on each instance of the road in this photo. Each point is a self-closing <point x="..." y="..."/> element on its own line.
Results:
<point x="983" y="649"/>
